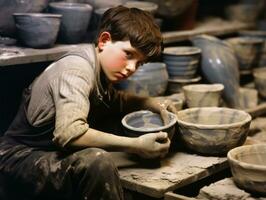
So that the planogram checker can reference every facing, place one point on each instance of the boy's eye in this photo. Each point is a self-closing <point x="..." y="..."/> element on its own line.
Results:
<point x="129" y="54"/>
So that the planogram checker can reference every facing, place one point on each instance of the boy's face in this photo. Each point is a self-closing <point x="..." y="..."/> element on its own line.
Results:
<point x="119" y="60"/>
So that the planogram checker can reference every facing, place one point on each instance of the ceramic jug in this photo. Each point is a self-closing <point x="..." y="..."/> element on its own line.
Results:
<point x="219" y="65"/>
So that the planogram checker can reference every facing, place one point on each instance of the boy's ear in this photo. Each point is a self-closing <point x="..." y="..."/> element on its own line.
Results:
<point x="103" y="39"/>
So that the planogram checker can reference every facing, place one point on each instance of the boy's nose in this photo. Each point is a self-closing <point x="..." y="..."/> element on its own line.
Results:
<point x="131" y="67"/>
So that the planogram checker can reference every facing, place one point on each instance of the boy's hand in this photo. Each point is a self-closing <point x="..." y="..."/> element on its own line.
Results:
<point x="161" y="107"/>
<point x="153" y="145"/>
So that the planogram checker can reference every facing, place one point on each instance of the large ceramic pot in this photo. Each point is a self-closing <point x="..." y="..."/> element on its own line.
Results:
<point x="75" y="20"/>
<point x="37" y="30"/>
<point x="219" y="65"/>
<point x="149" y="80"/>
<point x="8" y="7"/>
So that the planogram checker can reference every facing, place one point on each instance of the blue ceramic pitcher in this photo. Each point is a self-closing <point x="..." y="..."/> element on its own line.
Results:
<point x="219" y="65"/>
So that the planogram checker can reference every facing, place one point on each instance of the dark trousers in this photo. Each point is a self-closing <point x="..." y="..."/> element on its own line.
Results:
<point x="28" y="173"/>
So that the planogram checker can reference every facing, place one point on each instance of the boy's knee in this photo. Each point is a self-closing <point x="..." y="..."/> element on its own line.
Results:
<point x="95" y="158"/>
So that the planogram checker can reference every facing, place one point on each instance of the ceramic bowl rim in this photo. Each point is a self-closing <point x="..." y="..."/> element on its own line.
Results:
<point x="231" y="153"/>
<point x="41" y="15"/>
<point x="216" y="126"/>
<point x="195" y="50"/>
<point x="68" y="5"/>
<point x="244" y="40"/>
<point x="180" y="80"/>
<point x="214" y="87"/>
<point x="157" y="129"/>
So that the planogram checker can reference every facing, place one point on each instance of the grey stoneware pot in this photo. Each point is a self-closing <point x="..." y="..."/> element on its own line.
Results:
<point x="219" y="65"/>
<point x="37" y="30"/>
<point x="149" y="80"/>
<point x="144" y="121"/>
<point x="75" y="20"/>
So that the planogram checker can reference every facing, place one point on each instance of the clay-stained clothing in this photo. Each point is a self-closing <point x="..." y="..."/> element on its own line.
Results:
<point x="58" y="107"/>
<point x="65" y="100"/>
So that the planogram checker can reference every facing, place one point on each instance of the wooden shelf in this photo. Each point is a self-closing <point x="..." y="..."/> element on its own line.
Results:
<point x="212" y="26"/>
<point x="21" y="55"/>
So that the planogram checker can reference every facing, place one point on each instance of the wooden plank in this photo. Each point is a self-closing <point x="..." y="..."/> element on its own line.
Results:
<point x="213" y="26"/>
<point x="225" y="189"/>
<point x="22" y="55"/>
<point x="173" y="196"/>
<point x="175" y="171"/>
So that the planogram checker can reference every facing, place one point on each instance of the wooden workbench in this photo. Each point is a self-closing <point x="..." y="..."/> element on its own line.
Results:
<point x="176" y="170"/>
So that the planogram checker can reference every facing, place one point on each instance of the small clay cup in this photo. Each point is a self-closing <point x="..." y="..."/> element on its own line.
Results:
<point x="248" y="166"/>
<point x="203" y="95"/>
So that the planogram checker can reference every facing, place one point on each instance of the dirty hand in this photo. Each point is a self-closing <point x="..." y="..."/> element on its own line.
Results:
<point x="153" y="145"/>
<point x="161" y="107"/>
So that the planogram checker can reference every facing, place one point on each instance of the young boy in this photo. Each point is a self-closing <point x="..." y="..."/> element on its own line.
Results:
<point x="54" y="147"/>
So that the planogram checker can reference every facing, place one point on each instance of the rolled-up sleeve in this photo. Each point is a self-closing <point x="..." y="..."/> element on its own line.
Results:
<point x="71" y="92"/>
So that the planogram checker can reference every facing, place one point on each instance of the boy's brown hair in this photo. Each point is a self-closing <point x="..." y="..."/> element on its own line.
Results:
<point x="135" y="25"/>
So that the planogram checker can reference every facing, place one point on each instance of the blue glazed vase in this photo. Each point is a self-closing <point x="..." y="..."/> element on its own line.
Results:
<point x="219" y="65"/>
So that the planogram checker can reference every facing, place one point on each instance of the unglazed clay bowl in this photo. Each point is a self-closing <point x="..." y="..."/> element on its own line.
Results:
<point x="203" y="95"/>
<point x="260" y="80"/>
<point x="213" y="130"/>
<point x="144" y="121"/>
<point x="143" y="5"/>
<point x="248" y="166"/>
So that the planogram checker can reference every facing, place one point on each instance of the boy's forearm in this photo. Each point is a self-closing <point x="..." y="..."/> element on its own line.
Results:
<point x="107" y="141"/>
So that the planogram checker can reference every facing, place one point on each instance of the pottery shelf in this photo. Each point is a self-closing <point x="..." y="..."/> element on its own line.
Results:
<point x="21" y="55"/>
<point x="212" y="26"/>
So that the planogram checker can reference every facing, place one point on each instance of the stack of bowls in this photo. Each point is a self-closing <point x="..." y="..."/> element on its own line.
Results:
<point x="182" y="66"/>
